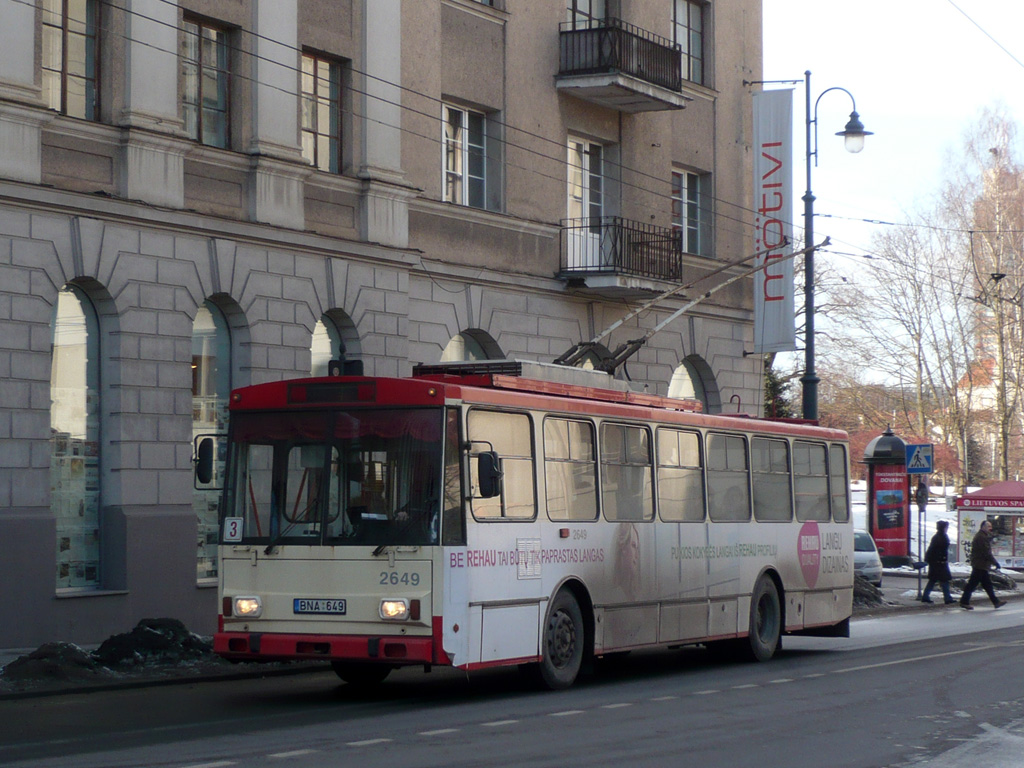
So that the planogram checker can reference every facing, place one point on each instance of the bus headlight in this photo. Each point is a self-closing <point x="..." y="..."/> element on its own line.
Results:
<point x="394" y="610"/>
<point x="249" y="607"/>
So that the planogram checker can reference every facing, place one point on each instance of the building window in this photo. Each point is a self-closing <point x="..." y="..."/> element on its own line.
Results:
<point x="211" y="388"/>
<point x="75" y="438"/>
<point x="321" y="113"/>
<point x="586" y="14"/>
<point x="465" y="157"/>
<point x="70" y="63"/>
<point x="688" y="33"/>
<point x="687" y="218"/>
<point x="586" y="180"/>
<point x="206" y="82"/>
<point x="326" y="346"/>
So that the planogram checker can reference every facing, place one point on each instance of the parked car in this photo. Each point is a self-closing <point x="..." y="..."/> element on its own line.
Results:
<point x="866" y="561"/>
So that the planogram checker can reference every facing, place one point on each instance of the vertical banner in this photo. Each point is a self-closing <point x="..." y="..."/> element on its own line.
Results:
<point x="774" y="321"/>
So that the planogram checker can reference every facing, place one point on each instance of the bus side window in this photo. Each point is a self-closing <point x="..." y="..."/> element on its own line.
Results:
<point x="511" y="436"/>
<point x="773" y="497"/>
<point x="810" y="482"/>
<point x="728" y="478"/>
<point x="839" y="484"/>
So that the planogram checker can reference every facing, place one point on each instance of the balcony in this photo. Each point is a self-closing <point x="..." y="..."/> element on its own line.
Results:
<point x="620" y="66"/>
<point x="617" y="257"/>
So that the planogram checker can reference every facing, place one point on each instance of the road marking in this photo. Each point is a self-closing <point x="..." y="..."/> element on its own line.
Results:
<point x="616" y="706"/>
<point x="781" y="680"/>
<point x="748" y="685"/>
<point x="218" y="764"/>
<point x="294" y="753"/>
<point x="367" y="742"/>
<point x="498" y="723"/>
<point x="815" y="674"/>
<point x="439" y="732"/>
<point x="705" y="693"/>
<point x="915" y="658"/>
<point x="567" y="713"/>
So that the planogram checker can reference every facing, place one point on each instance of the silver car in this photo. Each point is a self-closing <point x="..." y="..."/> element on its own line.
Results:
<point x="865" y="558"/>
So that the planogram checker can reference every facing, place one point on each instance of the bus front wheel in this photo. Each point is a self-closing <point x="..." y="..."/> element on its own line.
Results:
<point x="765" y="620"/>
<point x="359" y="674"/>
<point x="563" y="641"/>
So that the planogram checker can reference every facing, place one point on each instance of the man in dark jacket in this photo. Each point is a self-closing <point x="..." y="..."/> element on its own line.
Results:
<point x="981" y="562"/>
<point x="937" y="558"/>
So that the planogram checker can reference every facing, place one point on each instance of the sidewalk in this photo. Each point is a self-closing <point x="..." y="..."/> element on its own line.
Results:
<point x="900" y="590"/>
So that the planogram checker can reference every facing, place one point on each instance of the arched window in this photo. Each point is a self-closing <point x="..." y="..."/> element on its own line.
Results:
<point x="211" y="388"/>
<point x="75" y="438"/>
<point x="693" y="380"/>
<point x="326" y="346"/>
<point x="471" y="345"/>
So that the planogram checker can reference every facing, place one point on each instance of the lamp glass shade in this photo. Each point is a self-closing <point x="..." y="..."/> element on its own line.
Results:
<point x="854" y="142"/>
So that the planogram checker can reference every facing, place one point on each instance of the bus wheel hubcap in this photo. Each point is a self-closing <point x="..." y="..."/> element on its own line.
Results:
<point x="562" y="639"/>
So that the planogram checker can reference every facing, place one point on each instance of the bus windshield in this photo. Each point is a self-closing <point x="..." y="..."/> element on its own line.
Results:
<point x="335" y="478"/>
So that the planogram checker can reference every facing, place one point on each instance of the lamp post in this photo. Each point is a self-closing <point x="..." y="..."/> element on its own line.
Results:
<point x="853" y="135"/>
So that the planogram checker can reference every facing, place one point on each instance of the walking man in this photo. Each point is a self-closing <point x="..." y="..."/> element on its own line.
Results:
<point x="981" y="562"/>
<point x="937" y="558"/>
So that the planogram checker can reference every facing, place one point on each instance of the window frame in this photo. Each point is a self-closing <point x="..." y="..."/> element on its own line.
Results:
<point x="728" y="473"/>
<point x="687" y="28"/>
<point x="663" y="464"/>
<point x="803" y="482"/>
<point x="223" y="79"/>
<point x="574" y="464"/>
<point x="586" y="184"/>
<point x="688" y="219"/>
<point x="479" y="505"/>
<point x="775" y="473"/>
<point x="333" y="102"/>
<point x="464" y="148"/>
<point x="613" y="512"/>
<point x="586" y="14"/>
<point x="90" y="75"/>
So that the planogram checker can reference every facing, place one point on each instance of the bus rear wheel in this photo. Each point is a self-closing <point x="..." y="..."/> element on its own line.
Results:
<point x="765" y="629"/>
<point x="563" y="642"/>
<point x="359" y="674"/>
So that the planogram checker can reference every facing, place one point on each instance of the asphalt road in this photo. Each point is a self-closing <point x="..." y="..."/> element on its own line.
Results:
<point x="903" y="689"/>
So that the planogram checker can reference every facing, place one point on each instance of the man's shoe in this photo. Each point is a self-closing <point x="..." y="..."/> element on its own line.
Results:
<point x="967" y="607"/>
<point x="926" y="599"/>
<point x="999" y="604"/>
<point x="949" y="602"/>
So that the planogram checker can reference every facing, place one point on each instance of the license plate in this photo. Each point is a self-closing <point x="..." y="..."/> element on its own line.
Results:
<point x="318" y="605"/>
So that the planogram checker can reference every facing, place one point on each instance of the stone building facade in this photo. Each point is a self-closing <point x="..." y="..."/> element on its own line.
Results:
<point x="197" y="195"/>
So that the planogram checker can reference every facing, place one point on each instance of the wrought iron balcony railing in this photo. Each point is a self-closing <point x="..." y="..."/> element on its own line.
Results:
<point x="613" y="245"/>
<point x="612" y="45"/>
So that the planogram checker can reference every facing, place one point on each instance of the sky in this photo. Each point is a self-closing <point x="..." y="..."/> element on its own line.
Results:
<point x="920" y="72"/>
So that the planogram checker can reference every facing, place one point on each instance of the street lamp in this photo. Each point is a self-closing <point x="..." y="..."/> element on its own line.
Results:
<point x="853" y="138"/>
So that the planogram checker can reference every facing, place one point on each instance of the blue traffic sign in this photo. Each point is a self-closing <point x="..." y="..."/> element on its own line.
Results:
<point x="919" y="459"/>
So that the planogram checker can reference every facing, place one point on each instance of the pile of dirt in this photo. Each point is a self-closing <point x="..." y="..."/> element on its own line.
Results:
<point x="154" y="648"/>
<point x="866" y="594"/>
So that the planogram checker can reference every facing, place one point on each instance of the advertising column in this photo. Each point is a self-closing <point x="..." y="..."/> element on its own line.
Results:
<point x="888" y="498"/>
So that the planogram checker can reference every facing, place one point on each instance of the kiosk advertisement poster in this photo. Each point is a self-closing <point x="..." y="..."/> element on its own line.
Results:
<point x="891" y="530"/>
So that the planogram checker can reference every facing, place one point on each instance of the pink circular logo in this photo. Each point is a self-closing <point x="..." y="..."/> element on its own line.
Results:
<point x="808" y="548"/>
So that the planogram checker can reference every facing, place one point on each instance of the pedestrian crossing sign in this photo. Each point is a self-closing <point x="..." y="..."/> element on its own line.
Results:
<point x="919" y="459"/>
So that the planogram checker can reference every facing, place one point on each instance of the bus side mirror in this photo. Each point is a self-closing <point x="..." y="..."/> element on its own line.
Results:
<point x="204" y="461"/>
<point x="488" y="472"/>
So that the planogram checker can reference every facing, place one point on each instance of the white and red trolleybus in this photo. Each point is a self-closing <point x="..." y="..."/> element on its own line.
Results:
<point x="475" y="517"/>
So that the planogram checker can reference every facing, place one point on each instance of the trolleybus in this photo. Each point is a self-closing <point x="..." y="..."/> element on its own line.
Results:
<point x="502" y="513"/>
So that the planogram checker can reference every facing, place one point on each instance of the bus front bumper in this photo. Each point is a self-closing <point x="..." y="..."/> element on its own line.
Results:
<point x="256" y="646"/>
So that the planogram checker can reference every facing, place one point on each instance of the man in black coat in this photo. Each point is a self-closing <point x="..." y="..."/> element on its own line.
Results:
<point x="937" y="558"/>
<point x="981" y="562"/>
